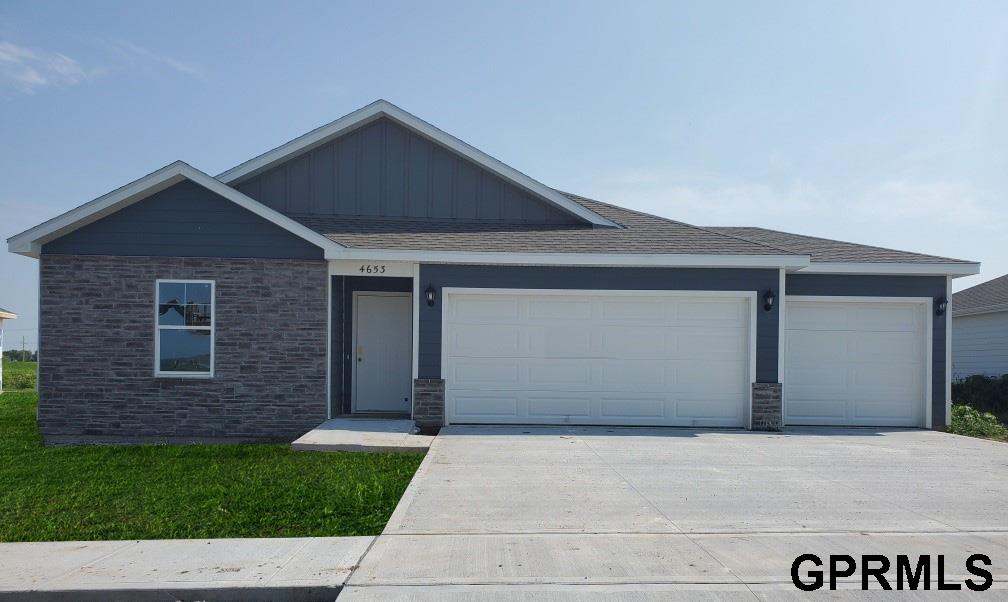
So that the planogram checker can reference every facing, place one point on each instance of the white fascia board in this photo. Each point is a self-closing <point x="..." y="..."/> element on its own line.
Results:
<point x="383" y="108"/>
<point x="578" y="259"/>
<point x="955" y="270"/>
<point x="30" y="241"/>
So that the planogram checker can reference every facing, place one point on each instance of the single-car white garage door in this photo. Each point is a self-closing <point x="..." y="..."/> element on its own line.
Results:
<point x="855" y="362"/>
<point x="590" y="357"/>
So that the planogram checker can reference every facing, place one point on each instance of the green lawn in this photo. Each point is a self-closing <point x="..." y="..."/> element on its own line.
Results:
<point x="187" y="491"/>
<point x="19" y="375"/>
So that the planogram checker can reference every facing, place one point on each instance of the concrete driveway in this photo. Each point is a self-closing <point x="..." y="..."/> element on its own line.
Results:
<point x="573" y="512"/>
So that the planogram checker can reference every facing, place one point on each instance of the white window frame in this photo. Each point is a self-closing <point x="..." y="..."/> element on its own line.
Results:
<point x="157" y="329"/>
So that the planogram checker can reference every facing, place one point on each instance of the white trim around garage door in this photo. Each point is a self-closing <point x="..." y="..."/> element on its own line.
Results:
<point x="748" y="295"/>
<point x="926" y="302"/>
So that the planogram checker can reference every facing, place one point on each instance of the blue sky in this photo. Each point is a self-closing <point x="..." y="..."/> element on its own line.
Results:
<point x="883" y="123"/>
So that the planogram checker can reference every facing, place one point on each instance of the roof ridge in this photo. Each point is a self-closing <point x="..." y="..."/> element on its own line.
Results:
<point x="575" y="197"/>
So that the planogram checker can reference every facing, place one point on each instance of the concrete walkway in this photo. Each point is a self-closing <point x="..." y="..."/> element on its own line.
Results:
<point x="363" y="435"/>
<point x="505" y="513"/>
<point x="202" y="569"/>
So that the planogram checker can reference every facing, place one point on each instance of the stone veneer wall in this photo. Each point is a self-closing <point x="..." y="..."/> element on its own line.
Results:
<point x="767" y="405"/>
<point x="96" y="360"/>
<point x="429" y="404"/>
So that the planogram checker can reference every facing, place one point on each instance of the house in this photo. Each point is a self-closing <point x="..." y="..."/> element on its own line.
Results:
<point x="4" y="315"/>
<point x="980" y="329"/>
<point x="379" y="266"/>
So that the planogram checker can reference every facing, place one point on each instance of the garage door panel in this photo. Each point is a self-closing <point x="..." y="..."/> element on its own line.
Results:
<point x="636" y="342"/>
<point x="646" y="374"/>
<point x="905" y="377"/>
<point x="481" y="307"/>
<point x="559" y="308"/>
<point x="711" y="313"/>
<point x="855" y="363"/>
<point x="559" y="341"/>
<point x="808" y="348"/>
<point x="560" y="406"/>
<point x="898" y="318"/>
<point x="485" y="406"/>
<point x="634" y="311"/>
<point x="712" y="407"/>
<point x="547" y="372"/>
<point x="598" y="359"/>
<point x="484" y="372"/>
<point x="816" y="376"/>
<point x="887" y="346"/>
<point x="485" y="341"/>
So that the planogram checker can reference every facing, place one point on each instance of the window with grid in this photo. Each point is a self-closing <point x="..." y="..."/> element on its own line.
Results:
<point x="184" y="338"/>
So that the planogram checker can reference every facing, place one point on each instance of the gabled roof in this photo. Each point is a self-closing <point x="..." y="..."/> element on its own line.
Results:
<point x="383" y="108"/>
<point x="7" y="314"/>
<point x="30" y="241"/>
<point x="983" y="298"/>
<point x="839" y="257"/>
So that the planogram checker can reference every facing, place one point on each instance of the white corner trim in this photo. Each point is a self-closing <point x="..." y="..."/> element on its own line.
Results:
<point x="383" y="108"/>
<point x="30" y="241"/>
<point x="578" y="259"/>
<point x="948" y="352"/>
<point x="910" y="269"/>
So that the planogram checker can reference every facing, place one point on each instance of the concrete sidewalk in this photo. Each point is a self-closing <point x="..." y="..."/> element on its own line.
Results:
<point x="310" y="568"/>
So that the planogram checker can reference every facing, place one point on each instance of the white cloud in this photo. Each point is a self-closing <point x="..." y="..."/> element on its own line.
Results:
<point x="136" y="53"/>
<point x="26" y="69"/>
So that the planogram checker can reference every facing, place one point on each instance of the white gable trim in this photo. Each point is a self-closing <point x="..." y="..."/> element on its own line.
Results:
<point x="30" y="241"/>
<point x="383" y="108"/>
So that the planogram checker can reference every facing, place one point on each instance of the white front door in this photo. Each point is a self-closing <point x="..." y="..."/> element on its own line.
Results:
<point x="595" y="357"/>
<point x="855" y="363"/>
<point x="383" y="367"/>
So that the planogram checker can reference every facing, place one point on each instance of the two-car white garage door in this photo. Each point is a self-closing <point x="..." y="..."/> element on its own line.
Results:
<point x="591" y="357"/>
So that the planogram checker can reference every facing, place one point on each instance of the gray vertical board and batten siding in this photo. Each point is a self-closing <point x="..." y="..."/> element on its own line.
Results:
<point x="184" y="220"/>
<point x="383" y="169"/>
<point x="841" y="285"/>
<point x="532" y="277"/>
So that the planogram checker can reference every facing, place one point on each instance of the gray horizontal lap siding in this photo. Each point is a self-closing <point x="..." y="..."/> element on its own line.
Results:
<point x="887" y="286"/>
<point x="473" y="276"/>
<point x="184" y="220"/>
<point x="385" y="170"/>
<point x="980" y="345"/>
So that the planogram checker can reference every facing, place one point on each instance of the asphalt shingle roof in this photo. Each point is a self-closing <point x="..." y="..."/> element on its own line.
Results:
<point x="638" y="233"/>
<point x="825" y="250"/>
<point x="991" y="294"/>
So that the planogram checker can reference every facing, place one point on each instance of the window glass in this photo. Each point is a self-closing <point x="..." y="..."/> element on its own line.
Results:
<point x="184" y="350"/>
<point x="185" y="328"/>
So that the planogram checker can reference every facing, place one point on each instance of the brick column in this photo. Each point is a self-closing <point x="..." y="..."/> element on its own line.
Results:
<point x="766" y="407"/>
<point x="428" y="404"/>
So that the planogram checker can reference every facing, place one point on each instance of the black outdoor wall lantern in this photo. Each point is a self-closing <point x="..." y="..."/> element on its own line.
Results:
<point x="768" y="299"/>
<point x="431" y="295"/>
<point x="941" y="304"/>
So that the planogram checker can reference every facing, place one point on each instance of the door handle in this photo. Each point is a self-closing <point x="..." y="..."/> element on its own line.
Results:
<point x="360" y="359"/>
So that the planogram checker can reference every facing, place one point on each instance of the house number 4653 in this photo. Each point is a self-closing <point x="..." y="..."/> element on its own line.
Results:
<point x="373" y="268"/>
